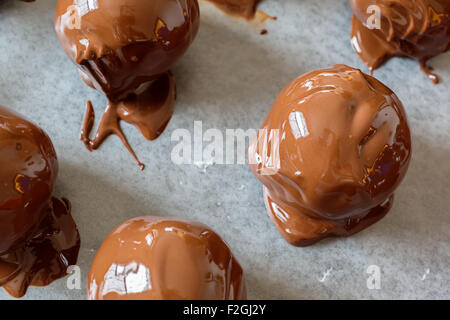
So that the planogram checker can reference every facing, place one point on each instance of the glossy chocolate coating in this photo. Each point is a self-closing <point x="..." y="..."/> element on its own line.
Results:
<point x="121" y="48"/>
<point x="121" y="44"/>
<point x="244" y="8"/>
<point x="418" y="29"/>
<point x="152" y="258"/>
<point x="28" y="168"/>
<point x="344" y="146"/>
<point x="38" y="237"/>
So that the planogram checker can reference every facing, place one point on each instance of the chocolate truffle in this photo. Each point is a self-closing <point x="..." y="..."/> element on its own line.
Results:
<point x="152" y="258"/>
<point x="125" y="48"/>
<point x="418" y="29"/>
<point x="331" y="152"/>
<point x="243" y="8"/>
<point x="38" y="237"/>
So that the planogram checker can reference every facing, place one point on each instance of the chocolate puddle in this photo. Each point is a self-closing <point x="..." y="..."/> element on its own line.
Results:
<point x="47" y="256"/>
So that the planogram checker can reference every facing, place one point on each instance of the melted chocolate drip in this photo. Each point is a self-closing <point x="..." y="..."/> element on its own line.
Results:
<point x="150" y="111"/>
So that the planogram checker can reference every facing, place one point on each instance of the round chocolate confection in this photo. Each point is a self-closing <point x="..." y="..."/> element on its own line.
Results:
<point x="125" y="48"/>
<point x="38" y="237"/>
<point x="28" y="168"/>
<point x="331" y="152"/>
<point x="121" y="44"/>
<point x="151" y="258"/>
<point x="418" y="29"/>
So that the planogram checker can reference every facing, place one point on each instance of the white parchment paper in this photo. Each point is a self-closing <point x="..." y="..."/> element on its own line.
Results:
<point x="229" y="79"/>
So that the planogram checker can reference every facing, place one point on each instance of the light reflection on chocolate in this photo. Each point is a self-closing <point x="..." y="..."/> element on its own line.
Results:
<point x="344" y="146"/>
<point x="152" y="258"/>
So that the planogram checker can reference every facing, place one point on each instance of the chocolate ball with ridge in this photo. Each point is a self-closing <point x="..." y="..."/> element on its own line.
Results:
<point x="332" y="150"/>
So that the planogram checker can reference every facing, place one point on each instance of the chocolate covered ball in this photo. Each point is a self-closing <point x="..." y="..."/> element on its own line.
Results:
<point x="152" y="258"/>
<point x="28" y="169"/>
<point x="38" y="237"/>
<point x="120" y="45"/>
<point x="125" y="48"/>
<point x="331" y="152"/>
<point x="418" y="29"/>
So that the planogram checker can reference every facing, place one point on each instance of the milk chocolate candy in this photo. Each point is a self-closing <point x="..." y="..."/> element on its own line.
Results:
<point x="125" y="48"/>
<point x="417" y="29"/>
<point x="38" y="237"/>
<point x="243" y="8"/>
<point x="152" y="258"/>
<point x="331" y="152"/>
